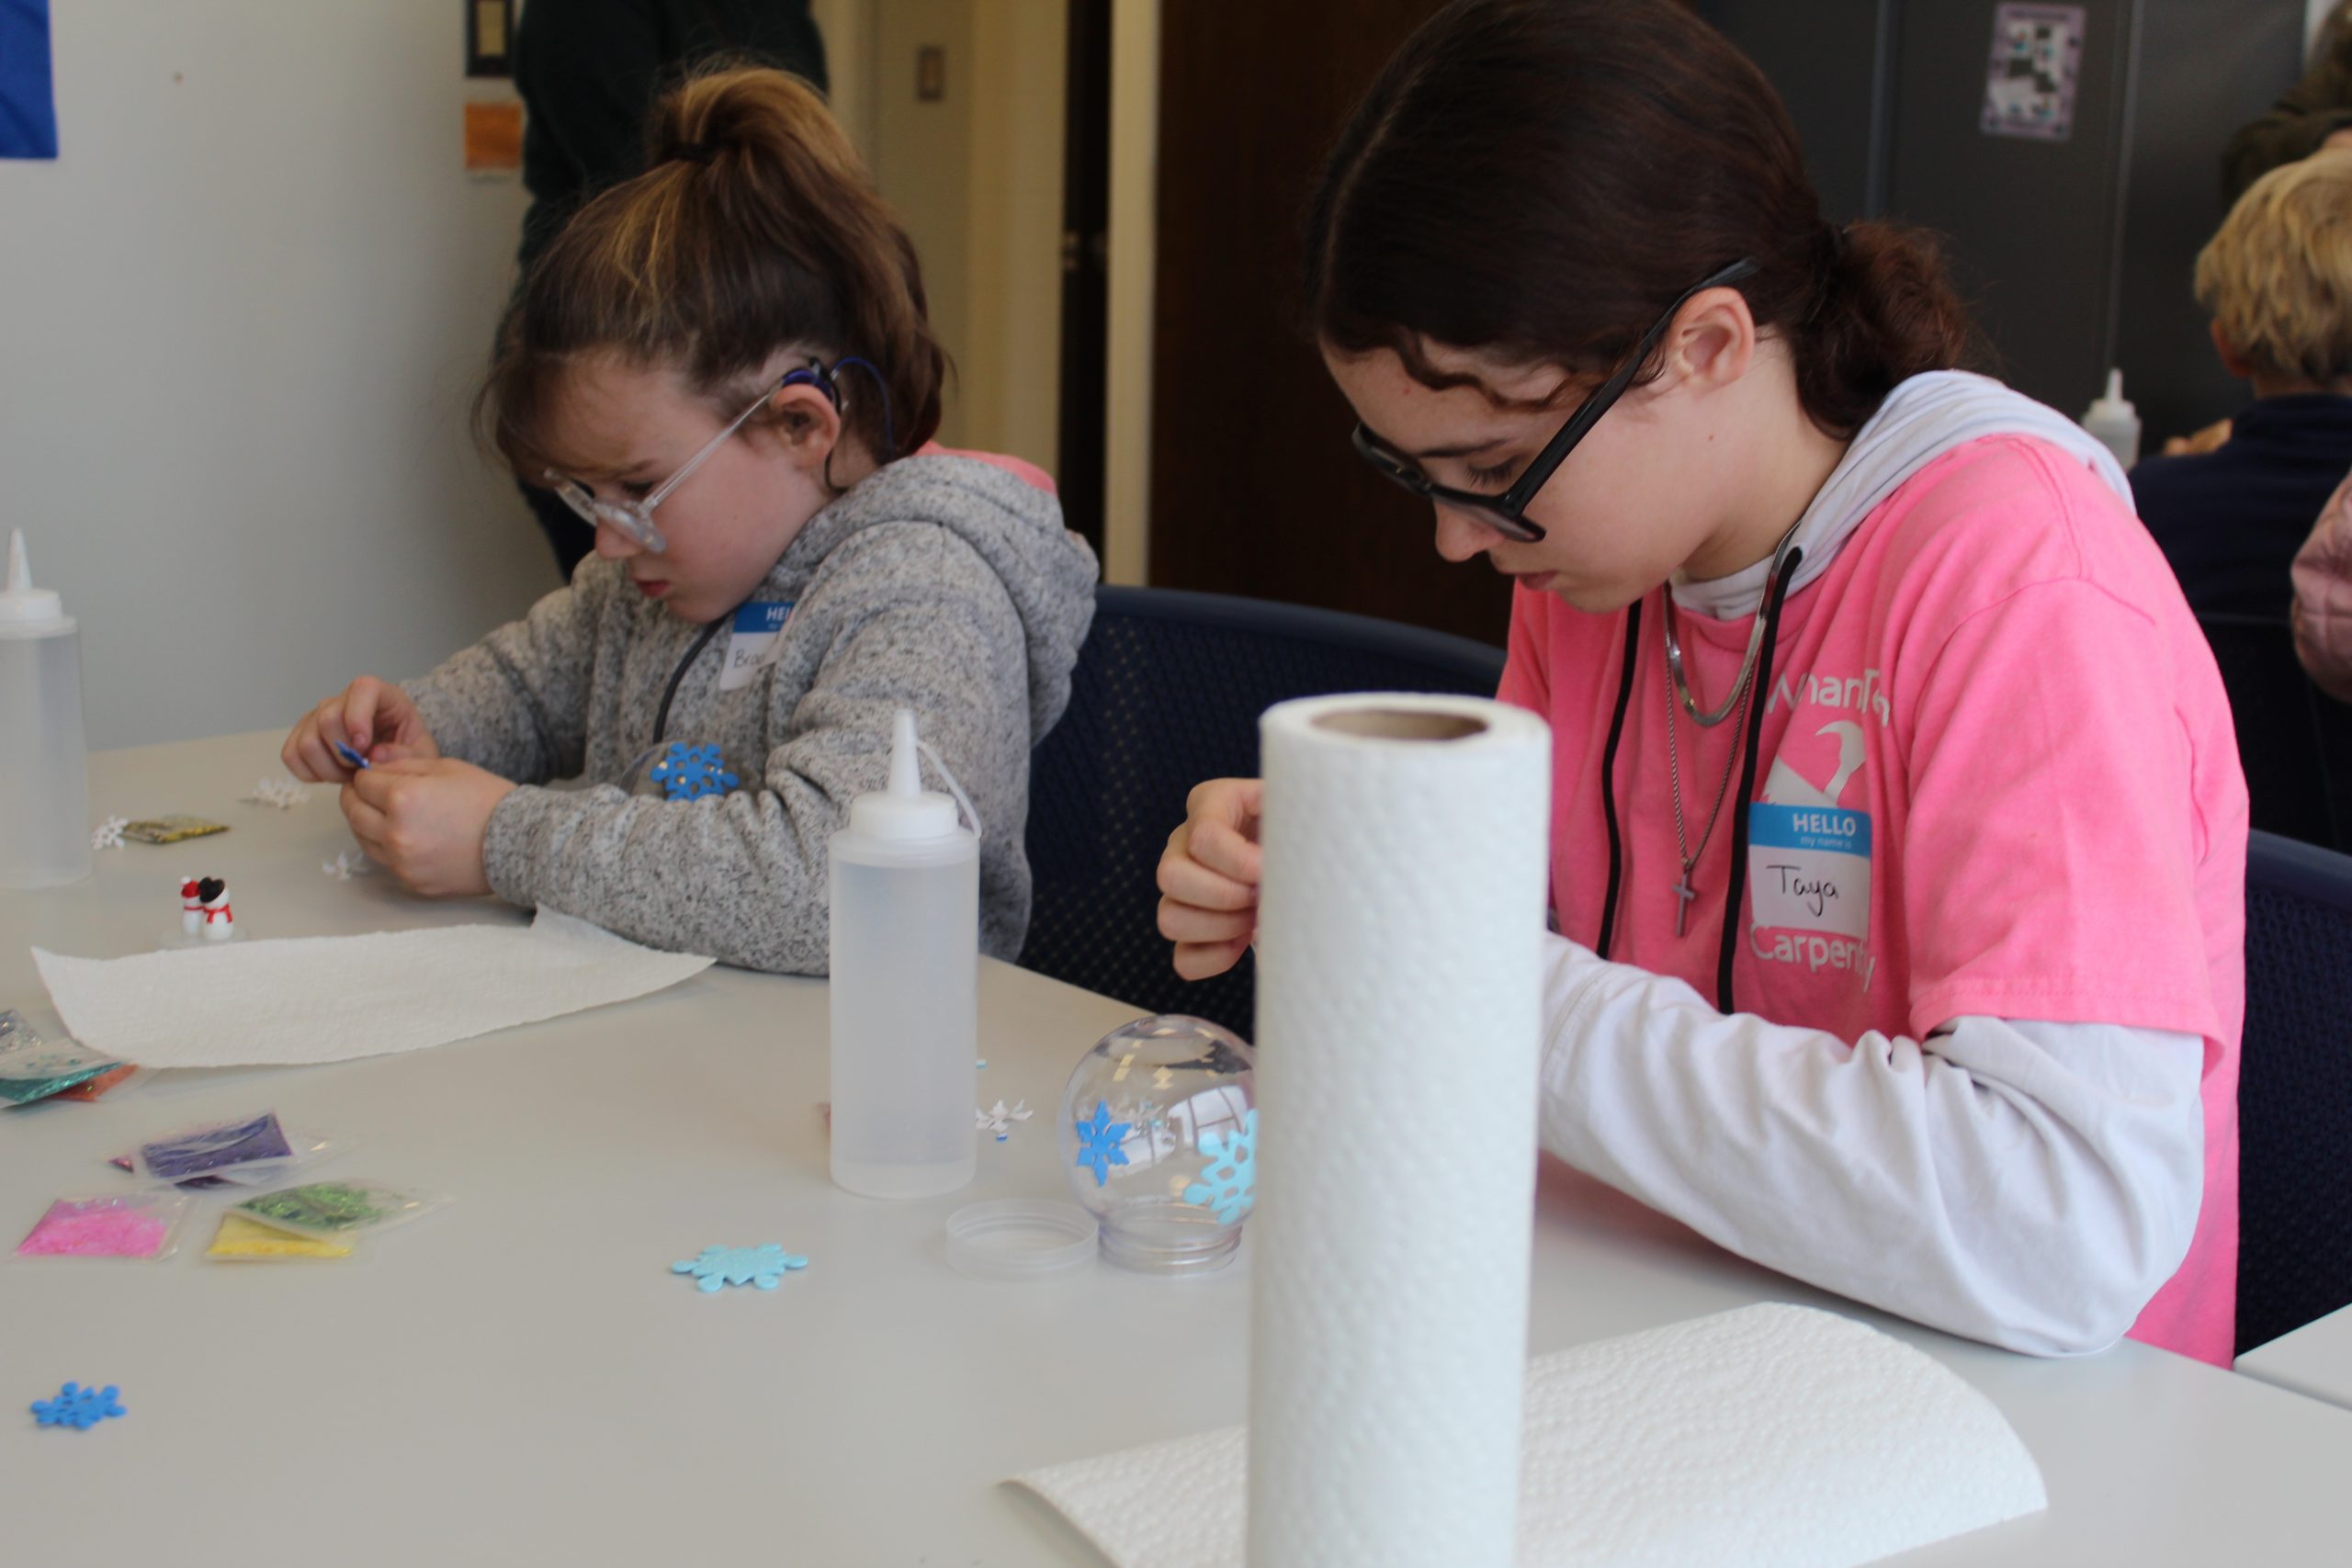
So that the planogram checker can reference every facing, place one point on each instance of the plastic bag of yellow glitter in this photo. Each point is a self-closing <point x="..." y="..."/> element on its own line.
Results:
<point x="243" y="1240"/>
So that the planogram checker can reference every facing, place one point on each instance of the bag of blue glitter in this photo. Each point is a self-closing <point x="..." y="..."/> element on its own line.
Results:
<point x="33" y="1066"/>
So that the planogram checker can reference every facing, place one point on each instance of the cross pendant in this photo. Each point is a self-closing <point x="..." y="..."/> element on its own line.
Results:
<point x="1683" y="892"/>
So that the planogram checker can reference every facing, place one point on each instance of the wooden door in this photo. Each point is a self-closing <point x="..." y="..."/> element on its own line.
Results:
<point x="1254" y="488"/>
<point x="1086" y="277"/>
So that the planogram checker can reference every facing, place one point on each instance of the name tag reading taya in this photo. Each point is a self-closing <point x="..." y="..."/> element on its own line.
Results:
<point x="752" y="642"/>
<point x="1809" y="869"/>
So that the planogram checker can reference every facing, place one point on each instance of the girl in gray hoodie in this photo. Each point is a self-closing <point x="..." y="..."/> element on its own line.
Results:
<point x="724" y="365"/>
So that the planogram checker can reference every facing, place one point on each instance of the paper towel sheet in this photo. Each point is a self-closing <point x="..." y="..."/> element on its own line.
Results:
<point x="330" y="998"/>
<point x="1770" y="1437"/>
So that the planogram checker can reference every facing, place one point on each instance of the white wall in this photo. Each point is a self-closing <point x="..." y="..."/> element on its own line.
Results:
<point x="976" y="177"/>
<point x="921" y="159"/>
<point x="1011" y="385"/>
<point x="847" y="28"/>
<point x="1135" y="199"/>
<point x="240" y="322"/>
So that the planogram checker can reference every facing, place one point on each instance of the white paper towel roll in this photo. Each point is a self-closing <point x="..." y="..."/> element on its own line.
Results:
<point x="1399" y="1003"/>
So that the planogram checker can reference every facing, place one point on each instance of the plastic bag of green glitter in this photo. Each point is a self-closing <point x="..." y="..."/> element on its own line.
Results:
<point x="339" y="1208"/>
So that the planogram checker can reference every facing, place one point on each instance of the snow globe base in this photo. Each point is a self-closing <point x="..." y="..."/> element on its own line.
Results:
<point x="1169" y="1236"/>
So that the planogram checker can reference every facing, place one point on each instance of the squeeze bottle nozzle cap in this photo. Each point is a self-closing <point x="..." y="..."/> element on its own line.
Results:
<point x="904" y="810"/>
<point x="2112" y="404"/>
<point x="20" y="603"/>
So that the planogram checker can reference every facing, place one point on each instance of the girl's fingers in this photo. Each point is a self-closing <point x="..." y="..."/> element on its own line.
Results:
<point x="368" y="823"/>
<point x="1198" y="961"/>
<point x="327" y="718"/>
<point x="1184" y="923"/>
<point x="300" y="754"/>
<point x="357" y="715"/>
<point x="1186" y="881"/>
<point x="308" y="756"/>
<point x="1226" y="851"/>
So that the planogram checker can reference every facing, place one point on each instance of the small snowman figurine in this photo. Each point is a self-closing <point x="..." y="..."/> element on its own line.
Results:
<point x="191" y="907"/>
<point x="220" y="923"/>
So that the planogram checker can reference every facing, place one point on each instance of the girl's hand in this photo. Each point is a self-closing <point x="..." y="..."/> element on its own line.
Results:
<point x="373" y="717"/>
<point x="1210" y="875"/>
<point x="422" y="818"/>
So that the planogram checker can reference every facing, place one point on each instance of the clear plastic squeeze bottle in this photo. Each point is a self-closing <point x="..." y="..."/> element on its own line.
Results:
<point x="905" y="992"/>
<point x="44" y="751"/>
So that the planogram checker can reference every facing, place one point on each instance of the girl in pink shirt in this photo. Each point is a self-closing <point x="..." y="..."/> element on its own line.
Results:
<point x="1898" y="837"/>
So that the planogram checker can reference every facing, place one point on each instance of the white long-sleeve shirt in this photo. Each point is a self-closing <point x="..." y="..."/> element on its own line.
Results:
<point x="2029" y="1184"/>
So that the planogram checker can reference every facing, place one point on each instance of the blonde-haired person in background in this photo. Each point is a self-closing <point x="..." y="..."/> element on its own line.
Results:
<point x="2277" y="279"/>
<point x="724" y="365"/>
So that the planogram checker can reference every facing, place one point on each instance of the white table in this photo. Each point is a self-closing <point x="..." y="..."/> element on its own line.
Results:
<point x="521" y="1379"/>
<point x="2316" y="1360"/>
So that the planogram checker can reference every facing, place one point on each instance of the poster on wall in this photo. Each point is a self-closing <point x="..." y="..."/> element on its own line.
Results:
<point x="27" y="101"/>
<point x="2030" y="81"/>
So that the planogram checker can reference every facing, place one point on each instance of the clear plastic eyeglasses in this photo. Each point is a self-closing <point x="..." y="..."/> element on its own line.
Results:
<point x="634" y="519"/>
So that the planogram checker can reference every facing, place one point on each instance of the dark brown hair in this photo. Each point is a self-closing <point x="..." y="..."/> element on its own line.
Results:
<point x="1539" y="180"/>
<point x="754" y="228"/>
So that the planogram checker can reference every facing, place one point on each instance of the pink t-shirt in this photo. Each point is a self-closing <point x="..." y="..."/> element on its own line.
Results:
<point x="1997" y="777"/>
<point x="1021" y="468"/>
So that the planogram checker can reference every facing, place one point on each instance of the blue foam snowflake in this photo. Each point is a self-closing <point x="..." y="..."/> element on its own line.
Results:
<point x="78" y="1406"/>
<point x="689" y="773"/>
<point x="761" y="1266"/>
<point x="1099" y="1138"/>
<point x="1229" y="1182"/>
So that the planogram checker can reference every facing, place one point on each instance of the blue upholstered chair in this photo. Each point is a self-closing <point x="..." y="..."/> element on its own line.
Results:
<point x="1167" y="693"/>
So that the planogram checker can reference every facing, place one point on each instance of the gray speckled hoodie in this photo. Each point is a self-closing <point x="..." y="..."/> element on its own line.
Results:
<point x="943" y="583"/>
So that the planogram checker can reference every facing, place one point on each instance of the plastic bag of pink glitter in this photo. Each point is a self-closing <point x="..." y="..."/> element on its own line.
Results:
<point x="144" y="1225"/>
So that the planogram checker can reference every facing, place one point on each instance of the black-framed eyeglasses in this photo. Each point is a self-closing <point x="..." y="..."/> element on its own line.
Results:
<point x="1506" y="512"/>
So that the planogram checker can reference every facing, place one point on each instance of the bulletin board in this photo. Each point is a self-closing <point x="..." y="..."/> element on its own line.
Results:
<point x="27" y="95"/>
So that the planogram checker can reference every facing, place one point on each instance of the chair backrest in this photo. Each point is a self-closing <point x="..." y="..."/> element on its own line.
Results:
<point x="2295" y="1090"/>
<point x="1167" y="693"/>
<point x="2291" y="739"/>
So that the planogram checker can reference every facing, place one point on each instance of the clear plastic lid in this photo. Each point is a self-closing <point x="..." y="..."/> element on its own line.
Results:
<point x="1019" y="1238"/>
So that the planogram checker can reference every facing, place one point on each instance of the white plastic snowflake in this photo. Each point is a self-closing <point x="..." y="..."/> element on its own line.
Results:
<point x="348" y="864"/>
<point x="107" y="835"/>
<point x="283" y="793"/>
<point x="1229" y="1185"/>
<point x="999" y="1121"/>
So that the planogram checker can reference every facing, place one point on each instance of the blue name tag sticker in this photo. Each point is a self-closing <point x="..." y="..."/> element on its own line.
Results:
<point x="1809" y="868"/>
<point x="754" y="641"/>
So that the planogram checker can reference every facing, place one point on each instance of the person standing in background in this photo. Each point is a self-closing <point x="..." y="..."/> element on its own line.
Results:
<point x="2314" y="113"/>
<point x="589" y="71"/>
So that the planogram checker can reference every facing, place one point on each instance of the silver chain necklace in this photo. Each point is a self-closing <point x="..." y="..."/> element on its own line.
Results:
<point x="1735" y="702"/>
<point x="1683" y="892"/>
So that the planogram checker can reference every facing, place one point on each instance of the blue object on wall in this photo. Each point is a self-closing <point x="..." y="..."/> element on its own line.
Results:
<point x="27" y="101"/>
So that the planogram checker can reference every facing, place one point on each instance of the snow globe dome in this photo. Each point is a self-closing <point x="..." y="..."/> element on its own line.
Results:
<point x="1159" y="1137"/>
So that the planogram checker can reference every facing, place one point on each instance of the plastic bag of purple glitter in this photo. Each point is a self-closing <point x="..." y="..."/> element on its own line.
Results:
<point x="255" y="1152"/>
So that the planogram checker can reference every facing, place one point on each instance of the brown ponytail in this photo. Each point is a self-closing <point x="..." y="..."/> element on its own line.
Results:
<point x="1538" y="179"/>
<point x="754" y="229"/>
